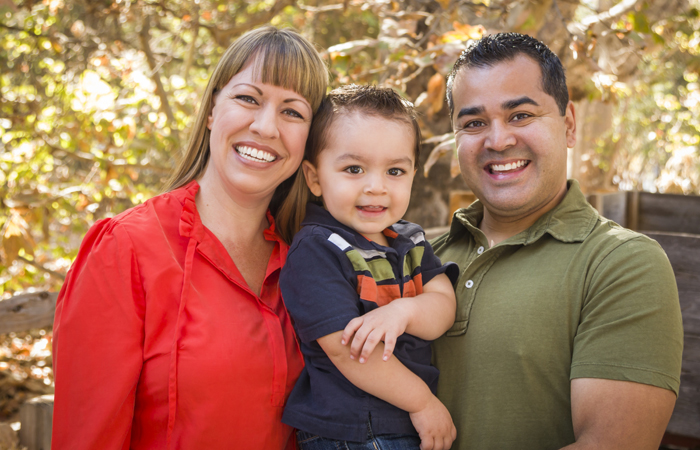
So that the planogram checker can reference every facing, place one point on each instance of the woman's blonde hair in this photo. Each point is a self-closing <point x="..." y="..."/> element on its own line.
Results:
<point x="282" y="58"/>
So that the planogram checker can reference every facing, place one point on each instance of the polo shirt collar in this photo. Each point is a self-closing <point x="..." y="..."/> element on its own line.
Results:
<point x="572" y="220"/>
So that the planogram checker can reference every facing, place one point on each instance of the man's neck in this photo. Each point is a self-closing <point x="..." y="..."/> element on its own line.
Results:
<point x="499" y="227"/>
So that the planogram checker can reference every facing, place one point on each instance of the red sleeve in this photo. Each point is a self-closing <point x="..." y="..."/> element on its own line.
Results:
<point x="98" y="343"/>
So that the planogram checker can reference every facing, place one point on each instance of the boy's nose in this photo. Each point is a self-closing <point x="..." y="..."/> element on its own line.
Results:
<point x="375" y="185"/>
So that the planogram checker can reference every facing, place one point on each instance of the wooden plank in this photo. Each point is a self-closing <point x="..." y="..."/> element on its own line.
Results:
<point x="460" y="199"/>
<point x="669" y="213"/>
<point x="36" y="416"/>
<point x="27" y="311"/>
<point x="612" y="206"/>
<point x="683" y="252"/>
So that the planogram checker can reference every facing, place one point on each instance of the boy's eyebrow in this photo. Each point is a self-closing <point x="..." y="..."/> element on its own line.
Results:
<point x="405" y="160"/>
<point x="351" y="156"/>
<point x="354" y="157"/>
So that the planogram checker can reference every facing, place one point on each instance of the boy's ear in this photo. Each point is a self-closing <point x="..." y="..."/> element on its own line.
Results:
<point x="311" y="176"/>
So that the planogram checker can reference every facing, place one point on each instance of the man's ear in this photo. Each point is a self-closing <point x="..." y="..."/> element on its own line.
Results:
<point x="311" y="176"/>
<point x="570" y="122"/>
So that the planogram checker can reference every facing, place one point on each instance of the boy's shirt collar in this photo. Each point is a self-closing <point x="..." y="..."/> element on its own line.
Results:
<point x="399" y="233"/>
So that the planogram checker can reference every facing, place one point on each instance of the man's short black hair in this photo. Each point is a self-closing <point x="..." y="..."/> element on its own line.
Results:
<point x="496" y="48"/>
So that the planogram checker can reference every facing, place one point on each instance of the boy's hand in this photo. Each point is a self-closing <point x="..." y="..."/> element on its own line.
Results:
<point x="434" y="425"/>
<point x="382" y="324"/>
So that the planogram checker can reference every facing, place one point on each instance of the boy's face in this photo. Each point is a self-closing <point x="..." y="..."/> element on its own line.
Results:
<point x="365" y="172"/>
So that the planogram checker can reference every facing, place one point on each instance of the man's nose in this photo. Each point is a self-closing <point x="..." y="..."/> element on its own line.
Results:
<point x="500" y="137"/>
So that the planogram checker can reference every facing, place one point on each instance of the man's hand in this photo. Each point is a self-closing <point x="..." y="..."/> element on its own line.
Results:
<point x="618" y="415"/>
<point x="434" y="425"/>
<point x="382" y="324"/>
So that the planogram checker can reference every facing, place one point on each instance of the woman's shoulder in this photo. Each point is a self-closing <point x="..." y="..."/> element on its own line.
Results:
<point x="158" y="215"/>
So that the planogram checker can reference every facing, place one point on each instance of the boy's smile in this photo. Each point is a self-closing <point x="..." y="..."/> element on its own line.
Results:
<point x="365" y="172"/>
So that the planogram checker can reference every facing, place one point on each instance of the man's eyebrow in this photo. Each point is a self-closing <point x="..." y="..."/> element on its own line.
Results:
<point x="471" y="111"/>
<point x="512" y="104"/>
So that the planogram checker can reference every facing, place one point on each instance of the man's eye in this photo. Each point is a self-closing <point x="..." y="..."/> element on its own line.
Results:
<point x="353" y="169"/>
<point x="521" y="116"/>
<point x="395" y="171"/>
<point x="474" y="124"/>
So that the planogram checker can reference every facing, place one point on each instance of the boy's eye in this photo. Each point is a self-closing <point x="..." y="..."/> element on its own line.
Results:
<point x="353" y="169"/>
<point x="394" y="171"/>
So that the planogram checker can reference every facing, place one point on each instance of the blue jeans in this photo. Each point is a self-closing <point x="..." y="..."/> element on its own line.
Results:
<point x="308" y="441"/>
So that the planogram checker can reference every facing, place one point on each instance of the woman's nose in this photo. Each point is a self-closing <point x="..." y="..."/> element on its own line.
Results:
<point x="265" y="123"/>
<point x="500" y="137"/>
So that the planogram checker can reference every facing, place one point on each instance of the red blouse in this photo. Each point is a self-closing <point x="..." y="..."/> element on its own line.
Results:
<point x="160" y="343"/>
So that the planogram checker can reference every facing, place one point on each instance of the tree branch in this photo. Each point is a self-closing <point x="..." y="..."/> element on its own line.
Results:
<point x="53" y="273"/>
<point x="160" y="90"/>
<point x="223" y="36"/>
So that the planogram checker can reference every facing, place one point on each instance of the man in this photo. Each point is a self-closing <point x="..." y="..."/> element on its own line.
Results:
<point x="568" y="330"/>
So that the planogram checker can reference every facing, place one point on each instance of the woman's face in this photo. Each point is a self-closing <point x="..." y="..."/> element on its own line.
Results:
<point x="258" y="133"/>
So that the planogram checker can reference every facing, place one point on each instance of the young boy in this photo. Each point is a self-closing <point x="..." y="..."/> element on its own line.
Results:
<point x="356" y="269"/>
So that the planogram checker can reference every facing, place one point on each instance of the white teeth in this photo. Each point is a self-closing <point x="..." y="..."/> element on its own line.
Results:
<point x="254" y="154"/>
<point x="506" y="167"/>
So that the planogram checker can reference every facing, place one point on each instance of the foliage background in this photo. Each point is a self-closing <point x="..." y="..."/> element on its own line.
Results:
<point x="97" y="96"/>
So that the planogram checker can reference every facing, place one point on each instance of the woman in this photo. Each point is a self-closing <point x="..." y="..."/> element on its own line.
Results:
<point x="170" y="331"/>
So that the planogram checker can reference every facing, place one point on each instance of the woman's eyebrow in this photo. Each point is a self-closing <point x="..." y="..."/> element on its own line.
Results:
<point x="250" y="85"/>
<point x="524" y="100"/>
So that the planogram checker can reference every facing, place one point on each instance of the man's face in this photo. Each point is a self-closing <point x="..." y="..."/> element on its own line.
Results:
<point x="511" y="138"/>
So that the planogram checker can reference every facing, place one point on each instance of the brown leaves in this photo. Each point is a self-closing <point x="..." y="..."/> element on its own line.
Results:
<point x="463" y="32"/>
<point x="446" y="144"/>
<point x="16" y="237"/>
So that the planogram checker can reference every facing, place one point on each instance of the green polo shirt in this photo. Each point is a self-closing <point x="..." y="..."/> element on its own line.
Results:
<point x="573" y="296"/>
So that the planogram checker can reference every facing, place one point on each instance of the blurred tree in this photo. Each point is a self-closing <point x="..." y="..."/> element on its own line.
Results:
<point x="96" y="97"/>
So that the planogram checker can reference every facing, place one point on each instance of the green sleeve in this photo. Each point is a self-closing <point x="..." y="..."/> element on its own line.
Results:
<point x="631" y="327"/>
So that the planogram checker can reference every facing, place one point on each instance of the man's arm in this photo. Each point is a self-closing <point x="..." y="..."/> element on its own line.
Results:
<point x="618" y="415"/>
<point x="392" y="382"/>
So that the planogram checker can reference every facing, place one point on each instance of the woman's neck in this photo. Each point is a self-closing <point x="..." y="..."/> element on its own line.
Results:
<point x="231" y="217"/>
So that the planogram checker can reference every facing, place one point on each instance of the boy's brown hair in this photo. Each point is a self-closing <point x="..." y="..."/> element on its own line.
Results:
<point x="370" y="100"/>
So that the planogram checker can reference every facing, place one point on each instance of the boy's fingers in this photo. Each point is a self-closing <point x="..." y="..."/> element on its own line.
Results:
<point x="389" y="345"/>
<point x="426" y="443"/>
<point x="372" y="340"/>
<point x="350" y="329"/>
<point x="358" y="342"/>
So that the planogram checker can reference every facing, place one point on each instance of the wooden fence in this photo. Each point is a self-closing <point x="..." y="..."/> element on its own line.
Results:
<point x="672" y="220"/>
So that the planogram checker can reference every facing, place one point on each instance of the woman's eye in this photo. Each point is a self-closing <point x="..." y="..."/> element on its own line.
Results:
<point x="293" y="113"/>
<point x="246" y="98"/>
<point x="353" y="169"/>
<point x="395" y="171"/>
